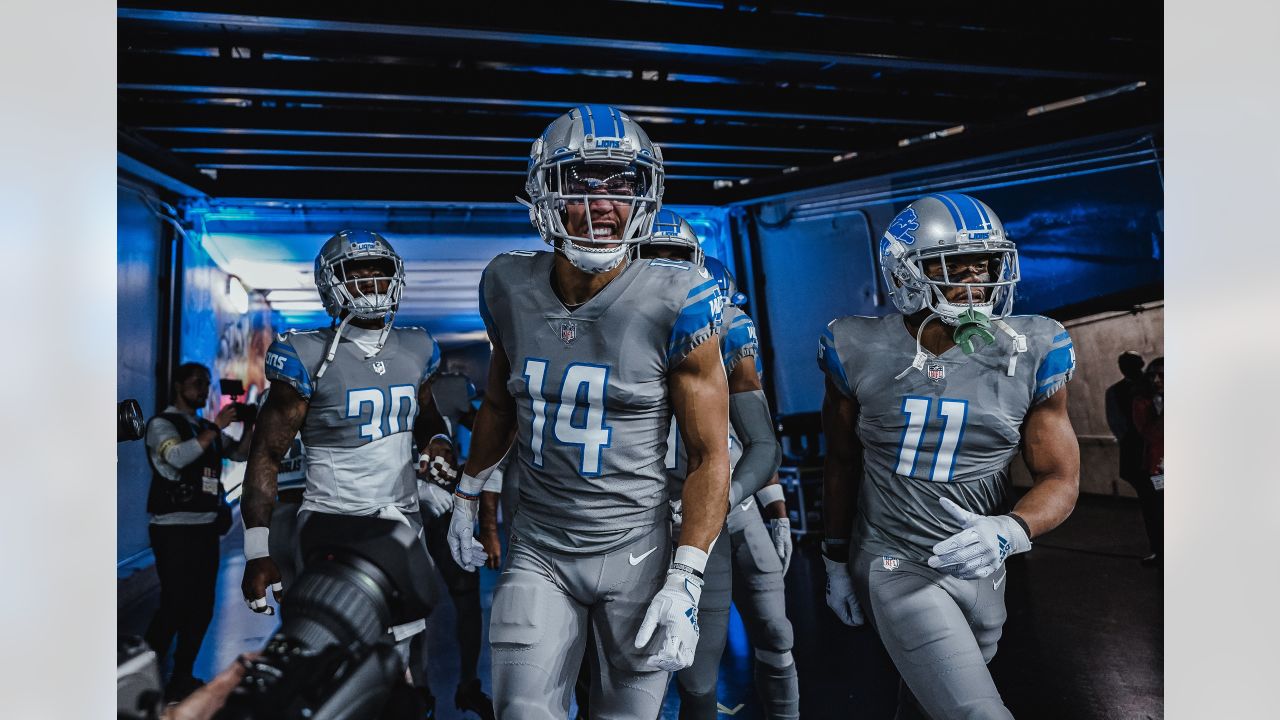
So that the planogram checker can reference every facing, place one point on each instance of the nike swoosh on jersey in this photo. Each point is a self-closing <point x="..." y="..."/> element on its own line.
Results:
<point x="746" y="505"/>
<point x="997" y="581"/>
<point x="637" y="560"/>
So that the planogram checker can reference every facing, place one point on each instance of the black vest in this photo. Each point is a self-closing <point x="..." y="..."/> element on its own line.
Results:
<point x="188" y="493"/>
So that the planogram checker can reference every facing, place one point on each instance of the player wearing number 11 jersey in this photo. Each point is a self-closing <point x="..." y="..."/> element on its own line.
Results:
<point x="924" y="410"/>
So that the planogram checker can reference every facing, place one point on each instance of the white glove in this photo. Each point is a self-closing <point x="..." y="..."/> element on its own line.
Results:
<point x="840" y="597"/>
<point x="780" y="531"/>
<point x="675" y="610"/>
<point x="434" y="499"/>
<point x="981" y="547"/>
<point x="463" y="545"/>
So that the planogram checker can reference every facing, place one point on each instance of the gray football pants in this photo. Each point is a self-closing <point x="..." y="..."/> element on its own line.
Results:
<point x="697" y="683"/>
<point x="542" y="606"/>
<point x="941" y="632"/>
<point x="759" y="591"/>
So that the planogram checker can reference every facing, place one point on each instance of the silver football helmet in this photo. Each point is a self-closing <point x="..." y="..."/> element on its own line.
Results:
<point x="920" y="252"/>
<point x="593" y="152"/>
<point x="339" y="294"/>
<point x="671" y="230"/>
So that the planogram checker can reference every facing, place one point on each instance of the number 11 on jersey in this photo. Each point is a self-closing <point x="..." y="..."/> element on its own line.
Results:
<point x="584" y="388"/>
<point x="953" y="413"/>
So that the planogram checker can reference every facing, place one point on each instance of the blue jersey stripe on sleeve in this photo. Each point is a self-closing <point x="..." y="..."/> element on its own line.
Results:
<point x="1059" y="361"/>
<point x="1064" y="335"/>
<point x="693" y="319"/>
<point x="282" y="363"/>
<point x="434" y="363"/>
<point x="829" y="359"/>
<point x="701" y="288"/>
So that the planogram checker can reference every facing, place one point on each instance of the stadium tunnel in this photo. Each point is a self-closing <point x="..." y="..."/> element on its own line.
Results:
<point x="792" y="135"/>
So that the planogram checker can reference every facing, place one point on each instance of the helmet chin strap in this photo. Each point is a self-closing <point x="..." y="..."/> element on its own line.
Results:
<point x="337" y="337"/>
<point x="972" y="327"/>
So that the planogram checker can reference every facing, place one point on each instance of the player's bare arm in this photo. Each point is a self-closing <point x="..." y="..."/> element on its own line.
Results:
<point x="491" y="436"/>
<point x="428" y="428"/>
<point x="749" y="414"/>
<point x="278" y="423"/>
<point x="1052" y="454"/>
<point x="699" y="394"/>
<point x="842" y="469"/>
<point x="495" y="422"/>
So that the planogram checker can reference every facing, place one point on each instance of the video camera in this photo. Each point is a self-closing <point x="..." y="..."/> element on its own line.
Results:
<point x="233" y="388"/>
<point x="332" y="658"/>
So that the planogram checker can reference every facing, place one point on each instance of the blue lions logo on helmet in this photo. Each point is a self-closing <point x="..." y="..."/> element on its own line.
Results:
<point x="900" y="229"/>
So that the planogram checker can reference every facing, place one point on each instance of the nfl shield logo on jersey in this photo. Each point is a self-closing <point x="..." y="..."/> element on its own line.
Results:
<point x="890" y="563"/>
<point x="936" y="371"/>
<point x="379" y="367"/>
<point x="568" y="332"/>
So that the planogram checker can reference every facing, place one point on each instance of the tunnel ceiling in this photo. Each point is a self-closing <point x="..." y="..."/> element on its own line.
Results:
<point x="440" y="101"/>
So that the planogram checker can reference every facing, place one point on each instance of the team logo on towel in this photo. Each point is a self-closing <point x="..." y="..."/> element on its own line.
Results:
<point x="379" y="367"/>
<point x="568" y="331"/>
<point x="890" y="563"/>
<point x="936" y="371"/>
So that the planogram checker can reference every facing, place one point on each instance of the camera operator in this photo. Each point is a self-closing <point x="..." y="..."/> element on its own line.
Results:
<point x="188" y="514"/>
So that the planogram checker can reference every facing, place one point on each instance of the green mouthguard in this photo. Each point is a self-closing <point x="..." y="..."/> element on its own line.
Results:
<point x="973" y="331"/>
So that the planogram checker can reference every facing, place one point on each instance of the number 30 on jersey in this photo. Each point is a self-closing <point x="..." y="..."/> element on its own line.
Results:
<point x="578" y="419"/>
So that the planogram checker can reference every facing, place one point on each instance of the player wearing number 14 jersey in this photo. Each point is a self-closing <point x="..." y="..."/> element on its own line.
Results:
<point x="592" y="355"/>
<point x="923" y="412"/>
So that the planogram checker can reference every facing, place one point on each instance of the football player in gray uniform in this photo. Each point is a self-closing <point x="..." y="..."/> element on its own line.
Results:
<point x="753" y="459"/>
<point x="360" y="393"/>
<point x="760" y="553"/>
<point x="923" y="412"/>
<point x="592" y="355"/>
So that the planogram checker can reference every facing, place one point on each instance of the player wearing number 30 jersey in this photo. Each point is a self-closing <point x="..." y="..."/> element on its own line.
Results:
<point x="924" y="410"/>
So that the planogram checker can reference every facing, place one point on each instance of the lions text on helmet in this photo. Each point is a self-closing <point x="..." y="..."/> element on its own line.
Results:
<point x="594" y="185"/>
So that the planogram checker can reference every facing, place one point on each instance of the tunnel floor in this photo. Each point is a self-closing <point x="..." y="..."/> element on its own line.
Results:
<point x="1084" y="639"/>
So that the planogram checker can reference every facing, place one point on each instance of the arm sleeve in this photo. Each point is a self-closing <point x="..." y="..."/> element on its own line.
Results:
<point x="698" y="320"/>
<point x="830" y="363"/>
<point x="284" y="365"/>
<point x="1057" y="367"/>
<point x="163" y="439"/>
<point x="740" y="343"/>
<point x="749" y="414"/>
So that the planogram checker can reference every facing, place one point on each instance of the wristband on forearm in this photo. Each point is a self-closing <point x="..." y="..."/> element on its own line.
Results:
<point x="770" y="494"/>
<point x="255" y="543"/>
<point x="691" y="560"/>
<point x="1021" y="523"/>
<point x="469" y="487"/>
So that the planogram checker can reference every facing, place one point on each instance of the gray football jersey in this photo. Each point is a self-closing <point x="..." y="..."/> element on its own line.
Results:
<point x="358" y="430"/>
<point x="947" y="430"/>
<point x="590" y="388"/>
<point x="737" y="342"/>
